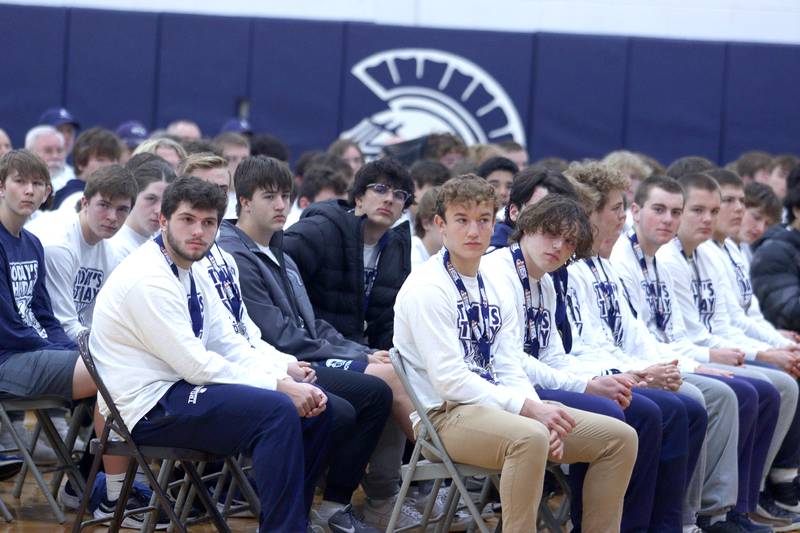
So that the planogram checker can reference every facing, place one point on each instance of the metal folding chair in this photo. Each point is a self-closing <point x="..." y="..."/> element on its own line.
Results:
<point x="142" y="455"/>
<point x="419" y="469"/>
<point x="40" y="405"/>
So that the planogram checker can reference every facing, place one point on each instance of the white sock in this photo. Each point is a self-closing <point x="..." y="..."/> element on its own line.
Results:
<point x="782" y="475"/>
<point x="114" y="486"/>
<point x="327" y="508"/>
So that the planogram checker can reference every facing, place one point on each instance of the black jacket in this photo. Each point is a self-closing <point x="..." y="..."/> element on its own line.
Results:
<point x="327" y="244"/>
<point x="775" y="275"/>
<point x="277" y="301"/>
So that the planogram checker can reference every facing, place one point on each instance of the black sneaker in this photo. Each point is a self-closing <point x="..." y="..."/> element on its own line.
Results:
<point x="9" y="466"/>
<point x="779" y="519"/>
<point x="746" y="524"/>
<point x="786" y="495"/>
<point x="723" y="526"/>
<point x="344" y="521"/>
<point x="138" y="498"/>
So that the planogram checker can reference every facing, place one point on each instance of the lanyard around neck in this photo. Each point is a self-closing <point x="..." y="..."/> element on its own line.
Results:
<point x="533" y="316"/>
<point x="476" y="316"/>
<point x="195" y="309"/>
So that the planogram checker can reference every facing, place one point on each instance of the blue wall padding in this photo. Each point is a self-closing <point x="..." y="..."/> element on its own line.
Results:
<point x="202" y="69"/>
<point x="296" y="81"/>
<point x="576" y="96"/>
<point x="111" y="66"/>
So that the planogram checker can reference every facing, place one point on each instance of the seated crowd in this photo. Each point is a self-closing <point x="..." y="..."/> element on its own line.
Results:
<point x="635" y="322"/>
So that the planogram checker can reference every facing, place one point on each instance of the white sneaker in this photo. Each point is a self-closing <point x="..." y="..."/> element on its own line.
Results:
<point x="378" y="512"/>
<point x="461" y="519"/>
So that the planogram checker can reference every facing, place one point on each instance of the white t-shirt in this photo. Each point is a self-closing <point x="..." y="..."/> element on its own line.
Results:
<point x="655" y="290"/>
<point x="76" y="271"/>
<point x="419" y="254"/>
<point x="432" y="332"/>
<point x="127" y="240"/>
<point x="293" y="216"/>
<point x="143" y="341"/>
<point x="371" y="255"/>
<point x="704" y="298"/>
<point x="499" y="266"/>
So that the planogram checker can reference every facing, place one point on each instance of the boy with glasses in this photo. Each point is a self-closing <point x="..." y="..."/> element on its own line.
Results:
<point x="351" y="259"/>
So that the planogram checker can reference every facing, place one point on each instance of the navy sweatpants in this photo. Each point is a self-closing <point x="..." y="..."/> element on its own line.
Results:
<point x="683" y="423"/>
<point x="288" y="451"/>
<point x="662" y="424"/>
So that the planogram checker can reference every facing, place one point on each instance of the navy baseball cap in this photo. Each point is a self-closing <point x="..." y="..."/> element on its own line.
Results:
<point x="237" y="125"/>
<point x="57" y="116"/>
<point x="133" y="133"/>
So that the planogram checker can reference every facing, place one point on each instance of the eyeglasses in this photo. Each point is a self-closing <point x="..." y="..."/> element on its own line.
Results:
<point x="381" y="188"/>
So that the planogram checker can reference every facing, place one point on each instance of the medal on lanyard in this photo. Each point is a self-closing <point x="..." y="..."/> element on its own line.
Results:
<point x="195" y="309"/>
<point x="657" y="307"/>
<point x="232" y="295"/>
<point x="607" y="293"/>
<point x="480" y="340"/>
<point x="747" y="296"/>
<point x="532" y="316"/>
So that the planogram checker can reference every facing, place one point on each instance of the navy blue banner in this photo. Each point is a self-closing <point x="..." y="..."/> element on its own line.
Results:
<point x="309" y="82"/>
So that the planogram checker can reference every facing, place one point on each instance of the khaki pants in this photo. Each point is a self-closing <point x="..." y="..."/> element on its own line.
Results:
<point x="518" y="446"/>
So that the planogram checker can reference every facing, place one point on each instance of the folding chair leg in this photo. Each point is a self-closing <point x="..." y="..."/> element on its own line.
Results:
<point x="426" y="513"/>
<point x="122" y="501"/>
<point x="26" y="456"/>
<point x="464" y="494"/>
<point x="77" y="525"/>
<point x="72" y="436"/>
<point x="6" y="513"/>
<point x="164" y="473"/>
<point x="244" y="485"/>
<point x="166" y="505"/>
<point x="23" y="473"/>
<point x="451" y="505"/>
<point x="197" y="482"/>
<point x="404" y="486"/>
<point x="189" y="503"/>
<point x="63" y="454"/>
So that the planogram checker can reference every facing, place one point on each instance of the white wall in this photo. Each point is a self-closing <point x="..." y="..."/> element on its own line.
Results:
<point x="775" y="21"/>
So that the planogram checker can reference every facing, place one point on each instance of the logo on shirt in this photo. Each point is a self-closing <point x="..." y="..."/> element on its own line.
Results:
<point x="468" y="346"/>
<point x="85" y="288"/>
<point x="574" y="307"/>
<point x="605" y="295"/>
<point x="659" y="302"/>
<point x="543" y="321"/>
<point x="24" y="275"/>
<point x="704" y="300"/>
<point x="743" y="284"/>
<point x="427" y="90"/>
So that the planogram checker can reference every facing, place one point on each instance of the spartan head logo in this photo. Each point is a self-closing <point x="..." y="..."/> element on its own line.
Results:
<point x="427" y="91"/>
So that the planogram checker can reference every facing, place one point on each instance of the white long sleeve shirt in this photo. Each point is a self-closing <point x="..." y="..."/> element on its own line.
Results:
<point x="143" y="342"/>
<point x="656" y="289"/>
<point x="499" y="266"/>
<point x="738" y="278"/>
<point x="704" y="298"/>
<point x="76" y="271"/>
<point x="432" y="333"/>
<point x="629" y="339"/>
